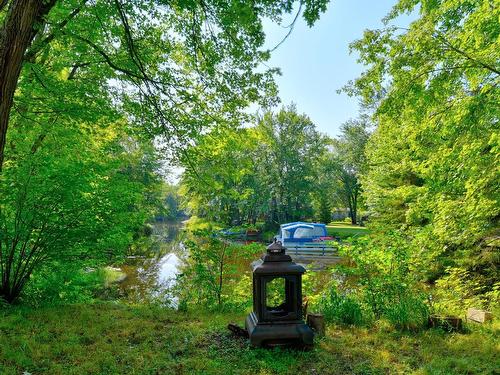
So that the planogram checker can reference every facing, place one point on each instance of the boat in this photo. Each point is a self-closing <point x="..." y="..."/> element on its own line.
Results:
<point x="300" y="232"/>
<point x="307" y="241"/>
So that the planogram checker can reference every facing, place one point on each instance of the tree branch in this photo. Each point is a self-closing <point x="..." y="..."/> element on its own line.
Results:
<point x="38" y="46"/>
<point x="467" y="56"/>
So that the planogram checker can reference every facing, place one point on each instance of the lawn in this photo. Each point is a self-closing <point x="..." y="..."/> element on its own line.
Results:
<point x="345" y="230"/>
<point x="112" y="338"/>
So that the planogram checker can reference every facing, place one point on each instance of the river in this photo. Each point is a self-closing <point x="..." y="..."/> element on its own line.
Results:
<point x="151" y="275"/>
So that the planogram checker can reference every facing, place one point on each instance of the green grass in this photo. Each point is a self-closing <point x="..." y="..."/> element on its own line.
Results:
<point x="110" y="338"/>
<point x="344" y="230"/>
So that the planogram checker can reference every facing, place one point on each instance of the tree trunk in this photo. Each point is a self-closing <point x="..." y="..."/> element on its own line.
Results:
<point x="221" y="274"/>
<point x="354" y="211"/>
<point x="351" y="210"/>
<point x="18" y="30"/>
<point x="354" y="221"/>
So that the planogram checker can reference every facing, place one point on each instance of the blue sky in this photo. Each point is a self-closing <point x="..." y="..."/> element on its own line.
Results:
<point x="315" y="62"/>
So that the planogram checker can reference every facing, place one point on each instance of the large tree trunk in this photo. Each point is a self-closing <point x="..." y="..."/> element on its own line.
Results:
<point x="19" y="27"/>
<point x="351" y="213"/>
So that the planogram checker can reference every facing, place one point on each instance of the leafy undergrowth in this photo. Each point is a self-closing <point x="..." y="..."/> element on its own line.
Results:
<point x="109" y="338"/>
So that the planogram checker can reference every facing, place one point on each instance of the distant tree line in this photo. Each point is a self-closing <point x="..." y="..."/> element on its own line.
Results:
<point x="279" y="170"/>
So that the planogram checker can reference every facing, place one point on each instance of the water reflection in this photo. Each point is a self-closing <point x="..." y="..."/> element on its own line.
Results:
<point x="152" y="273"/>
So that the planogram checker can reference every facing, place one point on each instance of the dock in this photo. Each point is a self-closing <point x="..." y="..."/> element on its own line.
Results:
<point x="319" y="253"/>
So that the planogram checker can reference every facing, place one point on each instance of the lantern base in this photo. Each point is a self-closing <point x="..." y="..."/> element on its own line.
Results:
<point x="278" y="333"/>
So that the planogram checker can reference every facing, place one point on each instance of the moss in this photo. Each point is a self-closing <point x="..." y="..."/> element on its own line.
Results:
<point x="110" y="338"/>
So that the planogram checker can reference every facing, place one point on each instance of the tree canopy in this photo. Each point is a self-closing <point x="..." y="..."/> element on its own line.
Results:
<point x="267" y="171"/>
<point x="434" y="157"/>
<point x="171" y="67"/>
<point x="91" y="93"/>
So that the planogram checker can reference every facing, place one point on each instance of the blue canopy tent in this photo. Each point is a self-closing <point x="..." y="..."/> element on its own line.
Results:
<point x="301" y="232"/>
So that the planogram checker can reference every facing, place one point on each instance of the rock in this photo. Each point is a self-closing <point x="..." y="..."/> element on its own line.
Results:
<point x="479" y="316"/>
<point x="317" y="323"/>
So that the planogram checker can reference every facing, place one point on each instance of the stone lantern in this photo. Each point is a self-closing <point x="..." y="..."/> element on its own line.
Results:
<point x="277" y="301"/>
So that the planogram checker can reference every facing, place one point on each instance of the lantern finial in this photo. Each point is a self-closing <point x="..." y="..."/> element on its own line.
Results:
<point x="276" y="248"/>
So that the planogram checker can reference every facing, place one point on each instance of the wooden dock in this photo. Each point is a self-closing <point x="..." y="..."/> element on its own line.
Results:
<point x="313" y="253"/>
<point x="311" y="249"/>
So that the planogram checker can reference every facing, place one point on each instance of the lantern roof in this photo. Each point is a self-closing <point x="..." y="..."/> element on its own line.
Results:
<point x="277" y="262"/>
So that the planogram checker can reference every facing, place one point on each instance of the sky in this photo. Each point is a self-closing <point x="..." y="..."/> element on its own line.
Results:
<point x="315" y="62"/>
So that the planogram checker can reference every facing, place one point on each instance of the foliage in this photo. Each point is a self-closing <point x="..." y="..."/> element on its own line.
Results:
<point x="435" y="154"/>
<point x="100" y="83"/>
<point x="174" y="68"/>
<point x="292" y="148"/>
<point x="198" y="224"/>
<point x="268" y="172"/>
<point x="341" y="308"/>
<point x="346" y="163"/>
<point x="221" y="181"/>
<point x="325" y="208"/>
<point x="171" y="201"/>
<point x="455" y="292"/>
<point x="62" y="283"/>
<point x="70" y="195"/>
<point x="381" y="284"/>
<point x="275" y="292"/>
<point x="212" y="274"/>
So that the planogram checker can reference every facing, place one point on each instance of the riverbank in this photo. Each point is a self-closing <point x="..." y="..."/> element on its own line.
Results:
<point x="339" y="229"/>
<point x="114" y="338"/>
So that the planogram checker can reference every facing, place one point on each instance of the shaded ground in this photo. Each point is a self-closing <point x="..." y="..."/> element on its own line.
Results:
<point x="110" y="338"/>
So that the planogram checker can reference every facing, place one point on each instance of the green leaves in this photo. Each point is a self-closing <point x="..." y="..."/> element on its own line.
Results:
<point x="262" y="172"/>
<point x="101" y="83"/>
<point x="70" y="194"/>
<point x="173" y="69"/>
<point x="433" y="169"/>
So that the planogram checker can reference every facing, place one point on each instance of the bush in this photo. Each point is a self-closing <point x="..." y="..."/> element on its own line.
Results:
<point x="341" y="308"/>
<point x="381" y="285"/>
<point x="395" y="298"/>
<point x="61" y="284"/>
<point x="195" y="223"/>
<point x="458" y="290"/>
<point x="213" y="275"/>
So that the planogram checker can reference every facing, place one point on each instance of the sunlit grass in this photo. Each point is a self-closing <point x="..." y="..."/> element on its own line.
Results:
<point x="344" y="230"/>
<point x="109" y="338"/>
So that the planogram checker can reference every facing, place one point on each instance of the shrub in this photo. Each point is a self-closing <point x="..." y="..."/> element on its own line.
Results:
<point x="342" y="308"/>
<point x="213" y="274"/>
<point x="382" y="285"/>
<point x="62" y="283"/>
<point x="458" y="290"/>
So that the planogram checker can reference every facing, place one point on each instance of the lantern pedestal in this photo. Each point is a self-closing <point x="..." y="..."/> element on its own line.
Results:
<point x="286" y="333"/>
<point x="277" y="301"/>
